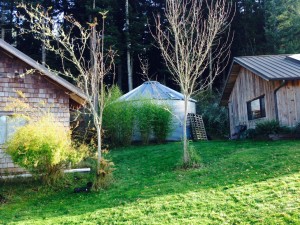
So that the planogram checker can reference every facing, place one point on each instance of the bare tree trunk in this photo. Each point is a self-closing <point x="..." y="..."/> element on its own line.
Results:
<point x="186" y="157"/>
<point x="129" y="59"/>
<point x="43" y="44"/>
<point x="99" y="143"/>
<point x="43" y="53"/>
<point x="186" y="46"/>
<point x="210" y="70"/>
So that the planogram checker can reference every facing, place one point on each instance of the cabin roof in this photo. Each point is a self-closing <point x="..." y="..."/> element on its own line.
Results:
<point x="268" y="67"/>
<point x="74" y="92"/>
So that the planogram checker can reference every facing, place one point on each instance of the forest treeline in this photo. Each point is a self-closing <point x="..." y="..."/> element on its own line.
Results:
<point x="258" y="27"/>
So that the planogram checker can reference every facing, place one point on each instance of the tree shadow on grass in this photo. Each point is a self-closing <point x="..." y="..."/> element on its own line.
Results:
<point x="150" y="171"/>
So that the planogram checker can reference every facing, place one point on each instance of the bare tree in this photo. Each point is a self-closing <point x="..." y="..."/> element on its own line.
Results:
<point x="194" y="26"/>
<point x="74" y="49"/>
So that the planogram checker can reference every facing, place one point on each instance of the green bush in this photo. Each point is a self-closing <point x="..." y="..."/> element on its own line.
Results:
<point x="43" y="148"/>
<point x="118" y="119"/>
<point x="215" y="117"/>
<point x="153" y="119"/>
<point x="144" y="117"/>
<point x="249" y="134"/>
<point x="148" y="118"/>
<point x="267" y="127"/>
<point x="161" y="122"/>
<point x="264" y="128"/>
<point x="296" y="130"/>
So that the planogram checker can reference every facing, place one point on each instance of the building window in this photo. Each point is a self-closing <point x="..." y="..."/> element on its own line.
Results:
<point x="256" y="108"/>
<point x="8" y="126"/>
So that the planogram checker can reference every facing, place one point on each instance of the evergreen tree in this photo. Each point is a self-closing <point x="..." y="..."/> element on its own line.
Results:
<point x="283" y="26"/>
<point x="248" y="26"/>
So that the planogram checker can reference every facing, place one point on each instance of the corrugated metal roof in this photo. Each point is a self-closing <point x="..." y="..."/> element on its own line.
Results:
<point x="271" y="67"/>
<point x="80" y="96"/>
<point x="268" y="67"/>
<point x="152" y="90"/>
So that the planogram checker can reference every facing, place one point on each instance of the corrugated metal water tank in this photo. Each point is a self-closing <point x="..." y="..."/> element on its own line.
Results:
<point x="161" y="94"/>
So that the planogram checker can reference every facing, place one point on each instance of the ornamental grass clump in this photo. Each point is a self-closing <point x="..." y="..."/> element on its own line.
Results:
<point x="144" y="118"/>
<point x="161" y="122"/>
<point x="118" y="119"/>
<point x="43" y="148"/>
<point x="153" y="120"/>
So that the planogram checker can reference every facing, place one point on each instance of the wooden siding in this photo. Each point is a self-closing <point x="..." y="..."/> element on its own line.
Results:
<point x="288" y="100"/>
<point x="249" y="86"/>
<point x="37" y="89"/>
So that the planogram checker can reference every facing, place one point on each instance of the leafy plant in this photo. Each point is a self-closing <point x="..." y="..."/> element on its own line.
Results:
<point x="161" y="122"/>
<point x="104" y="176"/>
<point x="43" y="148"/>
<point x="153" y="119"/>
<point x="144" y="118"/>
<point x="195" y="158"/>
<point x="118" y="119"/>
<point x="267" y="127"/>
<point x="215" y="117"/>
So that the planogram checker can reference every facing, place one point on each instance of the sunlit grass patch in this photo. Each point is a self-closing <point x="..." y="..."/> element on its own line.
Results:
<point x="238" y="183"/>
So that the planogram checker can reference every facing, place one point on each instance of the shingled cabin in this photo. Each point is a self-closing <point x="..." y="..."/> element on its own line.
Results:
<point x="263" y="88"/>
<point x="58" y="95"/>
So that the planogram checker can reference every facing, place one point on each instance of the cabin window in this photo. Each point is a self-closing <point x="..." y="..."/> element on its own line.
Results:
<point x="8" y="125"/>
<point x="256" y="108"/>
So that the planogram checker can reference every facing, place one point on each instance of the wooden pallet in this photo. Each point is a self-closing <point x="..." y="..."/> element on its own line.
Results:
<point x="197" y="127"/>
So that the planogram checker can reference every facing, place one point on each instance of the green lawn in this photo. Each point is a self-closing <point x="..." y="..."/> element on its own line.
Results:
<point x="238" y="183"/>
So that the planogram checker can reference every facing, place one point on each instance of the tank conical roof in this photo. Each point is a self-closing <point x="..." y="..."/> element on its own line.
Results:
<point x="153" y="90"/>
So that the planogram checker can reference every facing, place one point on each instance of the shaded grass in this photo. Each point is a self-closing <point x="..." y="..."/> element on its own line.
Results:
<point x="238" y="183"/>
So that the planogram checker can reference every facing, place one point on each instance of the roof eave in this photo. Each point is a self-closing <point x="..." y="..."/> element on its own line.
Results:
<point x="81" y="98"/>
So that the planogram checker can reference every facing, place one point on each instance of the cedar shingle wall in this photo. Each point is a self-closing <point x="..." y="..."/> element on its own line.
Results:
<point x="37" y="89"/>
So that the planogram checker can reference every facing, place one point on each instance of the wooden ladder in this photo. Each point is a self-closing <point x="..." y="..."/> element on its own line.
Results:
<point x="197" y="127"/>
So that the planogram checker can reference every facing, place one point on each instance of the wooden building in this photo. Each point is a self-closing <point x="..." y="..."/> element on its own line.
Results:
<point x="41" y="85"/>
<point x="263" y="88"/>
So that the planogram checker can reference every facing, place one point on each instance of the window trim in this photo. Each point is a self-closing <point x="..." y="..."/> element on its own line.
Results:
<point x="7" y="113"/>
<point x="262" y="106"/>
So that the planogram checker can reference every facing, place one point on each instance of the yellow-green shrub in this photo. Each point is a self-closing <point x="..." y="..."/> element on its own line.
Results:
<point x="43" y="148"/>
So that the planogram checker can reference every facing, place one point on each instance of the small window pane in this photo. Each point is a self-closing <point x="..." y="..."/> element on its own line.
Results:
<point x="8" y="126"/>
<point x="3" y="129"/>
<point x="13" y="123"/>
<point x="256" y="108"/>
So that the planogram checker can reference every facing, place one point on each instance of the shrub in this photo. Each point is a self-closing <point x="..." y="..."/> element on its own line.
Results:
<point x="104" y="176"/>
<point x="161" y="122"/>
<point x="195" y="159"/>
<point x="121" y="118"/>
<point x="118" y="119"/>
<point x="249" y="134"/>
<point x="296" y="130"/>
<point x="215" y="117"/>
<point x="144" y="118"/>
<point x="43" y="148"/>
<point x="153" y="119"/>
<point x="267" y="127"/>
